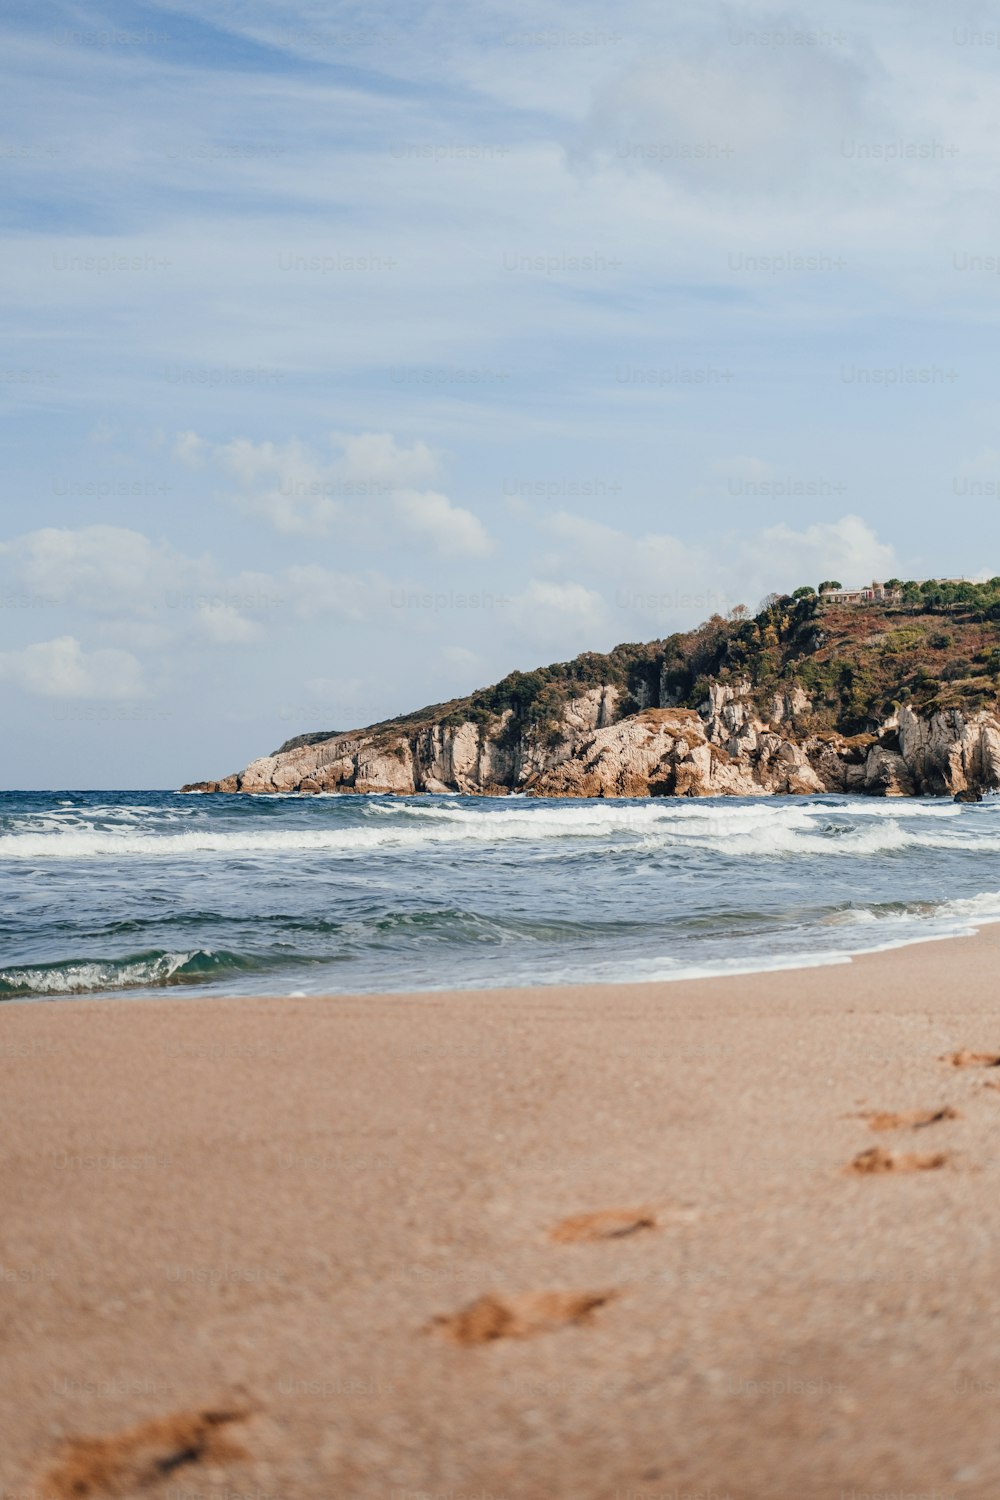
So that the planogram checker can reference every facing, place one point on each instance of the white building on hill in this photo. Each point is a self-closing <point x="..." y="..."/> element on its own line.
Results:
<point x="872" y="593"/>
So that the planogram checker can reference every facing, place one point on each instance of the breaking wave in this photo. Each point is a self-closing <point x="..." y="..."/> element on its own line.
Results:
<point x="749" y="830"/>
<point x="79" y="976"/>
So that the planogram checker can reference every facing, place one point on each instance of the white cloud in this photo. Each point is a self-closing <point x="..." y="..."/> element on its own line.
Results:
<point x="223" y="625"/>
<point x="62" y="669"/>
<point x="282" y="483"/>
<point x="367" y="481"/>
<point x="658" y="581"/>
<point x="453" y="531"/>
<point x="189" y="449"/>
<point x="847" y="549"/>
<point x="616" y="554"/>
<point x="104" y="569"/>
<point x="150" y="595"/>
<point x="376" y="456"/>
<point x="559" y="617"/>
<point x="158" y="593"/>
<point x="147" y="591"/>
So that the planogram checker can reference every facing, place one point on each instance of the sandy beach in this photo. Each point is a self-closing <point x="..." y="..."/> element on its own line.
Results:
<point x="596" y="1242"/>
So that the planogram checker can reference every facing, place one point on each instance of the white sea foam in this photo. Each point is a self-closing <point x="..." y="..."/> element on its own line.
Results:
<point x="943" y="922"/>
<point x="917" y="921"/>
<point x="778" y="828"/>
<point x="93" y="975"/>
<point x="736" y="830"/>
<point x="971" y="909"/>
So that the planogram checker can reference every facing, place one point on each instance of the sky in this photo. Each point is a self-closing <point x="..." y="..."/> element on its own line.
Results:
<point x="355" y="356"/>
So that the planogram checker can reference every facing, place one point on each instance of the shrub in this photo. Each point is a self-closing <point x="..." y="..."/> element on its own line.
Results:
<point x="897" y="641"/>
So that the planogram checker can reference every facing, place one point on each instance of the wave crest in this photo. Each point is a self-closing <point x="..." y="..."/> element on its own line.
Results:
<point x="154" y="969"/>
<point x="736" y="829"/>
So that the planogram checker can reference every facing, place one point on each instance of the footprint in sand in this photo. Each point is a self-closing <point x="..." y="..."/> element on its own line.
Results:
<point x="607" y="1224"/>
<point x="910" y="1119"/>
<point x="973" y="1059"/>
<point x="876" y="1161"/>
<point x="142" y="1456"/>
<point x="494" y="1317"/>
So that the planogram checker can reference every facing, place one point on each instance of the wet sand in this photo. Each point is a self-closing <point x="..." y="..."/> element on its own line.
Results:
<point x="608" y="1241"/>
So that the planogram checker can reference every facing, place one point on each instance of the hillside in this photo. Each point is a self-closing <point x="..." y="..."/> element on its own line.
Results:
<point x="806" y="695"/>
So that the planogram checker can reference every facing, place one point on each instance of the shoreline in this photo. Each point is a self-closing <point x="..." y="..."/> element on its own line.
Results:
<point x="281" y="1210"/>
<point x="798" y="962"/>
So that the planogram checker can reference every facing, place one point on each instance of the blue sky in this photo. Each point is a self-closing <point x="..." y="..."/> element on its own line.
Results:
<point x="357" y="355"/>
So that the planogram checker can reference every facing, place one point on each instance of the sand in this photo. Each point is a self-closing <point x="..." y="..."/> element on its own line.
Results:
<point x="724" y="1238"/>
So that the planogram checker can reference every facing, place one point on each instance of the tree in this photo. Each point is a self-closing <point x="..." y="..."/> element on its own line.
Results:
<point x="805" y="592"/>
<point x="830" y="586"/>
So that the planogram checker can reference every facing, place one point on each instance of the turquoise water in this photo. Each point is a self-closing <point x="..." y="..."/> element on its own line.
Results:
<point x="105" y="892"/>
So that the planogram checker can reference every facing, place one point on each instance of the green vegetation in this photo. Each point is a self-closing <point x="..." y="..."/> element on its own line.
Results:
<point x="307" y="739"/>
<point x="895" y="642"/>
<point x="538" y="697"/>
<point x="856" y="662"/>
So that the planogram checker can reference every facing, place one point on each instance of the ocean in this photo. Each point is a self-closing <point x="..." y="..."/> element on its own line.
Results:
<point x="113" y="893"/>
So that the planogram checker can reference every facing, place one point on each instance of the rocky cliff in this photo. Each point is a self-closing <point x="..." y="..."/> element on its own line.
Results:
<point x="798" y="700"/>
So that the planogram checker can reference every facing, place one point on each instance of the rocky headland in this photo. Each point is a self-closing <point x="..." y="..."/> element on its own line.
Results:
<point x="890" y="700"/>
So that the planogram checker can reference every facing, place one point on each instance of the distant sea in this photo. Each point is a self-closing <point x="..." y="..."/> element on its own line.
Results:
<point x="111" y="893"/>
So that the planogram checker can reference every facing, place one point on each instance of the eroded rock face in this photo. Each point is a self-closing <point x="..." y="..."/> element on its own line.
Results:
<point x="887" y="774"/>
<point x="727" y="749"/>
<point x="951" y="752"/>
<point x="638" y="757"/>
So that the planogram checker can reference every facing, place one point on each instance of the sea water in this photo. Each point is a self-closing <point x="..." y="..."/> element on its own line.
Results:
<point x="107" y="893"/>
